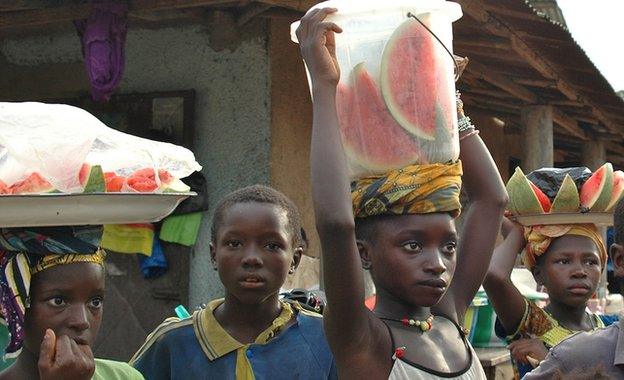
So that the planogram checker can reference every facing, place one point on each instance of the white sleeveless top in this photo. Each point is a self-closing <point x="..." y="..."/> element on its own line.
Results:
<point x="402" y="370"/>
<point x="405" y="371"/>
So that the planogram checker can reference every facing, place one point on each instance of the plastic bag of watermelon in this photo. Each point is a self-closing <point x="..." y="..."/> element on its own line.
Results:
<point x="44" y="147"/>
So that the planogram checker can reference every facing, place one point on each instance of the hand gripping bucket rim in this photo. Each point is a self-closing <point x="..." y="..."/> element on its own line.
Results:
<point x="349" y="7"/>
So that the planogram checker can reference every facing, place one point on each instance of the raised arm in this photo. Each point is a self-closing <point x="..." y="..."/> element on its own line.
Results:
<point x="346" y="317"/>
<point x="505" y="297"/>
<point x="488" y="199"/>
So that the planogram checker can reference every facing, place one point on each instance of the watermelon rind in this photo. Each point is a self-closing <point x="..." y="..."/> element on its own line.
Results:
<point x="176" y="186"/>
<point x="522" y="198"/>
<point x="364" y="122"/>
<point x="596" y="197"/>
<point x="95" y="182"/>
<point x="387" y="82"/>
<point x="618" y="189"/>
<point x="567" y="198"/>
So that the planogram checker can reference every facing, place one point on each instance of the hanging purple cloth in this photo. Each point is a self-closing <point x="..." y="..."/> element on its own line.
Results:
<point x="103" y="36"/>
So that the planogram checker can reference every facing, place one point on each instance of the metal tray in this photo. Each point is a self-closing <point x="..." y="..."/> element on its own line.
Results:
<point x="86" y="209"/>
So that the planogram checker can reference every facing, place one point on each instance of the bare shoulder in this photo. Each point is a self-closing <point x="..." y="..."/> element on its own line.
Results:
<point x="370" y="356"/>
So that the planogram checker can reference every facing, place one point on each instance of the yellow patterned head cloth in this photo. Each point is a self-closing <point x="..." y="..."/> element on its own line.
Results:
<point x="415" y="189"/>
<point x="539" y="238"/>
<point x="50" y="261"/>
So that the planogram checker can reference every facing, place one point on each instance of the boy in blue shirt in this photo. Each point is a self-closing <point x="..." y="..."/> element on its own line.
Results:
<point x="249" y="334"/>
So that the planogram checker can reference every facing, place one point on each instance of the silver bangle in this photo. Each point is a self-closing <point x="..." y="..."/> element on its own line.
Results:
<point x="464" y="124"/>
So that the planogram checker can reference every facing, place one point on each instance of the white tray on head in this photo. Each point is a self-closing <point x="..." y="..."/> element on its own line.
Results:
<point x="86" y="209"/>
<point x="599" y="218"/>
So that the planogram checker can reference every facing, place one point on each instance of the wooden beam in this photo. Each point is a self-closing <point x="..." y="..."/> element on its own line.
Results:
<point x="297" y="5"/>
<point x="479" y="41"/>
<point x="571" y="103"/>
<point x="511" y="13"/>
<point x="53" y="15"/>
<point x="584" y="118"/>
<point x="489" y="92"/>
<point x="44" y="16"/>
<point x="569" y="124"/>
<point x="616" y="147"/>
<point x="16" y="5"/>
<point x="543" y="83"/>
<point x="492" y="104"/>
<point x="477" y="11"/>
<point x="251" y="11"/>
<point x="539" y="64"/>
<point x="154" y="5"/>
<point x="502" y="82"/>
<point x="289" y="14"/>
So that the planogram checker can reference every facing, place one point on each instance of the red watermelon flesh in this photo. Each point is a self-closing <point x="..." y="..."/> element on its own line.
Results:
<point x="417" y="82"/>
<point x="145" y="180"/>
<point x="371" y="137"/>
<point x="34" y="184"/>
<point x="114" y="182"/>
<point x="597" y="190"/>
<point x="618" y="189"/>
<point x="541" y="197"/>
<point x="4" y="189"/>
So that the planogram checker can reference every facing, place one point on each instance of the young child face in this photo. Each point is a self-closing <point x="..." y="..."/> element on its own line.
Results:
<point x="253" y="251"/>
<point x="413" y="256"/>
<point x="67" y="299"/>
<point x="570" y="269"/>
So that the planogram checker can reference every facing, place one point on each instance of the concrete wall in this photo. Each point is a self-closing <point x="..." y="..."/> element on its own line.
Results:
<point x="232" y="110"/>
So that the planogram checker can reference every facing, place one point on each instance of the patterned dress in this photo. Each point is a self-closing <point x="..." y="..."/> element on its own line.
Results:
<point x="538" y="323"/>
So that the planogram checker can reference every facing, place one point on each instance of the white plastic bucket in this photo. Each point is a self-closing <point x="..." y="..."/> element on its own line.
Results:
<point x="396" y="96"/>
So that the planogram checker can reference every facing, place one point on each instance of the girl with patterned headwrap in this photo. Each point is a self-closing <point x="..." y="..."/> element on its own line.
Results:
<point x="401" y="227"/>
<point x="51" y="299"/>
<point x="568" y="260"/>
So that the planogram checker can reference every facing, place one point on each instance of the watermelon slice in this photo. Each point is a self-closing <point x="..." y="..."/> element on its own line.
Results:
<point x="4" y="189"/>
<point x="618" y="190"/>
<point x="597" y="190"/>
<point x="147" y="180"/>
<point x="416" y="81"/>
<point x="522" y="197"/>
<point x="33" y="184"/>
<point x="176" y="186"/>
<point x="543" y="199"/>
<point x="567" y="199"/>
<point x="92" y="179"/>
<point x="114" y="182"/>
<point x="372" y="139"/>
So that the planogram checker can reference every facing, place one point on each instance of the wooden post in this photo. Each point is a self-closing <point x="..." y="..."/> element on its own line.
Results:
<point x="537" y="137"/>
<point x="594" y="154"/>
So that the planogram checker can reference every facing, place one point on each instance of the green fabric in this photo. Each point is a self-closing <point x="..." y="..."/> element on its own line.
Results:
<point x="112" y="370"/>
<point x="4" y="341"/>
<point x="181" y="229"/>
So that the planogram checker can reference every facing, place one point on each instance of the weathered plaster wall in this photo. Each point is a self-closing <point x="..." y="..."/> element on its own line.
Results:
<point x="232" y="110"/>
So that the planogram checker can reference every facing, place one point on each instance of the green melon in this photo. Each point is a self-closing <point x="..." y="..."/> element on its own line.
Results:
<point x="522" y="198"/>
<point x="567" y="199"/>
<point x="92" y="179"/>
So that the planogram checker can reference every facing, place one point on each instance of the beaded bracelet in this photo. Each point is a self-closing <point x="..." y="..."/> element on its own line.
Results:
<point x="468" y="134"/>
